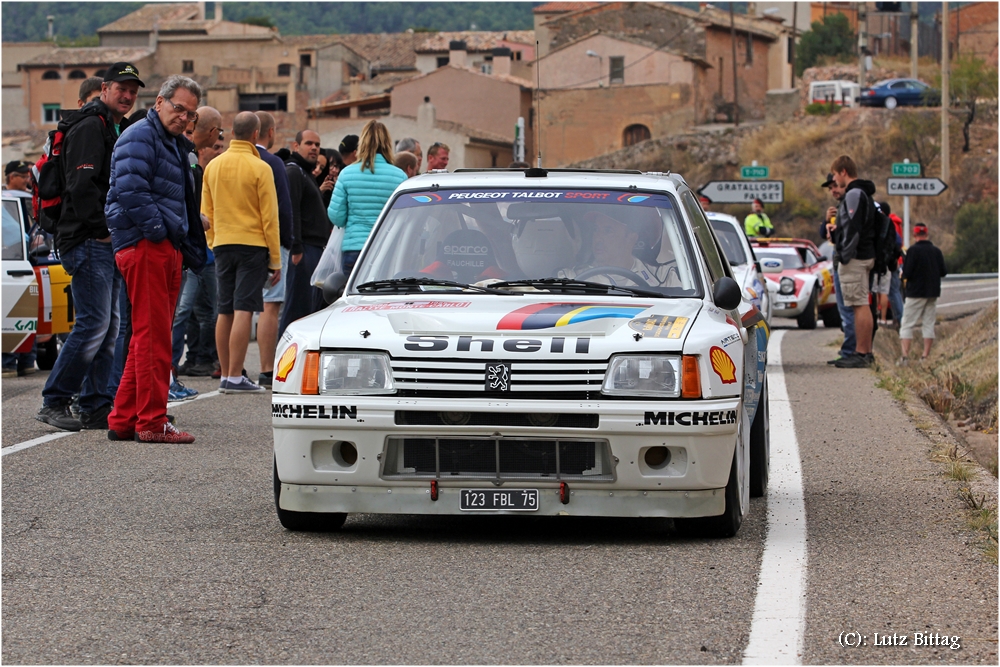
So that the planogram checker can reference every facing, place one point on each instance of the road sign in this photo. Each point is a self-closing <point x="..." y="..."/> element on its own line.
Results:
<point x="905" y="169"/>
<point x="757" y="172"/>
<point x="916" y="187"/>
<point x="743" y="192"/>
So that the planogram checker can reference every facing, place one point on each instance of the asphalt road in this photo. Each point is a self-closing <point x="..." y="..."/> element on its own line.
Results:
<point x="124" y="553"/>
<point x="962" y="297"/>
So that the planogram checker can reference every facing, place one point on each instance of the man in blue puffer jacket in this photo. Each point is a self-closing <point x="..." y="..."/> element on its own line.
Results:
<point x="155" y="228"/>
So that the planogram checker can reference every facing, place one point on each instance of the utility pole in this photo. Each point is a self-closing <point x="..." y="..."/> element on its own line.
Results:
<point x="791" y="47"/>
<point x="862" y="42"/>
<point x="914" y="33"/>
<point x="945" y="96"/>
<point x="736" y="90"/>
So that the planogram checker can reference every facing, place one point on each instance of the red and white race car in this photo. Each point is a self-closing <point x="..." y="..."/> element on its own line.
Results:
<point x="800" y="281"/>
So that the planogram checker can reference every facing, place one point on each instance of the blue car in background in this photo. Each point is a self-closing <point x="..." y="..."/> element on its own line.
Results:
<point x="899" y="92"/>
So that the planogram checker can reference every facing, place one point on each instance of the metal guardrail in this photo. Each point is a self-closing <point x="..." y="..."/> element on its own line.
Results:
<point x="969" y="276"/>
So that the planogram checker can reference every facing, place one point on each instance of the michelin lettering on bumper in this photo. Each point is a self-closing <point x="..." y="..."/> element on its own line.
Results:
<point x="286" y="411"/>
<point x="707" y="418"/>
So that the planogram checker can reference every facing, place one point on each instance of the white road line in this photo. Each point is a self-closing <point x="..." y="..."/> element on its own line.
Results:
<point x="37" y="441"/>
<point x="962" y="303"/>
<point x="55" y="436"/>
<point x="778" y="625"/>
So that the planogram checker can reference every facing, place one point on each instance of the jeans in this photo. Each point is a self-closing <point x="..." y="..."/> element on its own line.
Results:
<point x="846" y="320"/>
<point x="198" y="297"/>
<point x="301" y="298"/>
<point x="84" y="363"/>
<point x="896" y="297"/>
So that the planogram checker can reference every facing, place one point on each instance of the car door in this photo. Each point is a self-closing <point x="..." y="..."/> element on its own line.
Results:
<point x="20" y="291"/>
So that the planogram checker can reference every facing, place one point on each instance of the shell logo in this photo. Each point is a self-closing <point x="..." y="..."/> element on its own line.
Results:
<point x="287" y="362"/>
<point x="723" y="365"/>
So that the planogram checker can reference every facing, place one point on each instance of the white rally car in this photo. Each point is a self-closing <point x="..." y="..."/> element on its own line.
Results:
<point x="746" y="269"/>
<point x="527" y="342"/>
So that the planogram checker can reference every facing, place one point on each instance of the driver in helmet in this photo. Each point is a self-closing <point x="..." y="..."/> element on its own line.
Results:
<point x="613" y="244"/>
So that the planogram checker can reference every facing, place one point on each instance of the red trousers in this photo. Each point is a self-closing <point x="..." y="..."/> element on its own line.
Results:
<point x="152" y="273"/>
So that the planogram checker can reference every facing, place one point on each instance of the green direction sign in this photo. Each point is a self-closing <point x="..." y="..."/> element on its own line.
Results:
<point x="757" y="172"/>
<point x="905" y="169"/>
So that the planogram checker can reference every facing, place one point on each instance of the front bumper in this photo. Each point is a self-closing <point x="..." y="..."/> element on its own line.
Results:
<point x="314" y="478"/>
<point x="790" y="305"/>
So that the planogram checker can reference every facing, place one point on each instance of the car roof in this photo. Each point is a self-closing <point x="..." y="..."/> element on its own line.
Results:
<point x="16" y="194"/>
<point x="782" y="243"/>
<point x="724" y="217"/>
<point x="553" y="178"/>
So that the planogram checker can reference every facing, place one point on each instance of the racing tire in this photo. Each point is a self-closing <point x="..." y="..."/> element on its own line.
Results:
<point x="760" y="447"/>
<point x="807" y="320"/>
<point x="310" y="522"/>
<point x="831" y="317"/>
<point x="726" y="524"/>
<point x="891" y="103"/>
<point x="48" y="352"/>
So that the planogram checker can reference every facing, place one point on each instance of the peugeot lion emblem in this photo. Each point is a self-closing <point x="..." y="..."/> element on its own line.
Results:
<point x="498" y="377"/>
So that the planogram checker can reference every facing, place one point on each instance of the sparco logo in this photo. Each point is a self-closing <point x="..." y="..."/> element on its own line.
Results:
<point x="497" y="377"/>
<point x="709" y="418"/>
<point x="466" y="250"/>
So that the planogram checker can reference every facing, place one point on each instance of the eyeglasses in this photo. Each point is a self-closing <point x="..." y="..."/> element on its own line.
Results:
<point x="185" y="114"/>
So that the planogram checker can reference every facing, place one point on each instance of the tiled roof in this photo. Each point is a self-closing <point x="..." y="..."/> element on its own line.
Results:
<point x="142" y="19"/>
<point x="720" y="19"/>
<point x="475" y="40"/>
<point x="385" y="51"/>
<point x="88" y="55"/>
<point x="524" y="83"/>
<point x="555" y="7"/>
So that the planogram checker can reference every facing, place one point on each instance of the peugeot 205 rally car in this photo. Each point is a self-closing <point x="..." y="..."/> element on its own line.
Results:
<point x="800" y="279"/>
<point x="746" y="269"/>
<point x="527" y="342"/>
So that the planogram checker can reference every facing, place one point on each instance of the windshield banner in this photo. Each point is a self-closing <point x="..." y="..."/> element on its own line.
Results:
<point x="414" y="199"/>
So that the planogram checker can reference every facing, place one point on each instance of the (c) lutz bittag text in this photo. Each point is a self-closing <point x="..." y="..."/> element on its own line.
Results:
<point x="851" y="639"/>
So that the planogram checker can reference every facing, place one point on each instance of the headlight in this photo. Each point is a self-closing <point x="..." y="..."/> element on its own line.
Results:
<point x="633" y="375"/>
<point x="787" y="286"/>
<point x="354" y="374"/>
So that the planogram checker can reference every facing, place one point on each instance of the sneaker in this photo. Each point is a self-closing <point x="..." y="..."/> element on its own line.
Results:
<point x="116" y="436"/>
<point x="60" y="417"/>
<point x="266" y="379"/>
<point x="10" y="373"/>
<point x="242" y="386"/>
<point x="200" y="370"/>
<point x="854" y="361"/>
<point x="178" y="392"/>
<point x="903" y="361"/>
<point x="167" y="433"/>
<point x="184" y="369"/>
<point x="97" y="419"/>
<point x="30" y="370"/>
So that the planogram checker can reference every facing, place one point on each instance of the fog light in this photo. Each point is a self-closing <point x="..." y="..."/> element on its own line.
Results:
<point x="657" y="457"/>
<point x="544" y="420"/>
<point x="345" y="453"/>
<point x="455" y="418"/>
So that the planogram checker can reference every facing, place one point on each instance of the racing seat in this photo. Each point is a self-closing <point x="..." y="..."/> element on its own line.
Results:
<point x="466" y="256"/>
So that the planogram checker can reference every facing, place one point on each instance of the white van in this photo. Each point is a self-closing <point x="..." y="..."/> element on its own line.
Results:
<point x="844" y="93"/>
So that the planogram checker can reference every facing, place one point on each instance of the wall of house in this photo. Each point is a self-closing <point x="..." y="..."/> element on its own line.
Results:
<point x="427" y="62"/>
<point x="752" y="75"/>
<point x="15" y="101"/>
<point x="571" y="67"/>
<point x="578" y="124"/>
<point x="975" y="28"/>
<point x="779" y="71"/>
<point x="460" y="96"/>
<point x="206" y="53"/>
<point x="132" y="39"/>
<point x="648" y="20"/>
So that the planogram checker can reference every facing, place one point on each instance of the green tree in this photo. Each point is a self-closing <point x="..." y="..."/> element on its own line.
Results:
<point x="975" y="239"/>
<point x="971" y="80"/>
<point x="832" y="38"/>
<point x="258" y="20"/>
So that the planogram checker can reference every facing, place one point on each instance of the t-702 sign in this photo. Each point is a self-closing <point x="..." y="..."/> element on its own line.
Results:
<point x="916" y="187"/>
<point x="743" y="192"/>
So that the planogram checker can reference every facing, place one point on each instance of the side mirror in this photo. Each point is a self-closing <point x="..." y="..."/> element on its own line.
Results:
<point x="824" y="258"/>
<point x="726" y="294"/>
<point x="772" y="265"/>
<point x="334" y="286"/>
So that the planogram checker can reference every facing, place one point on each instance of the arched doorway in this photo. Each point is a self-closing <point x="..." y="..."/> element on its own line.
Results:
<point x="633" y="134"/>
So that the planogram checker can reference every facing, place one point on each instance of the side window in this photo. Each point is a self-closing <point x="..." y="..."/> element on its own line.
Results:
<point x="707" y="243"/>
<point x="811" y="257"/>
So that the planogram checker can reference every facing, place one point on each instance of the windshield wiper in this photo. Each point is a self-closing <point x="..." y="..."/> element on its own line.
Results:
<point x="406" y="284"/>
<point x="570" y="286"/>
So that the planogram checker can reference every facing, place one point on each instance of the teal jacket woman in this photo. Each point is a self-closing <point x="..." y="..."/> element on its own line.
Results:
<point x="363" y="188"/>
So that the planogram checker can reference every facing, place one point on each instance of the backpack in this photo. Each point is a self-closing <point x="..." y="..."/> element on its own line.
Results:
<point x="50" y="179"/>
<point x="887" y="249"/>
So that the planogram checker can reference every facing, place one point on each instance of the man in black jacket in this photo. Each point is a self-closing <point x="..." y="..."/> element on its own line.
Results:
<point x="84" y="243"/>
<point x="923" y="270"/>
<point x="854" y="237"/>
<point x="310" y="230"/>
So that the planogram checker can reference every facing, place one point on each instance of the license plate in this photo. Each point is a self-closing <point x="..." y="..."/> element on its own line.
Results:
<point x="491" y="500"/>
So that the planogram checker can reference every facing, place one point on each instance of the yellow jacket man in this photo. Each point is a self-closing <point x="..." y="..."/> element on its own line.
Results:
<point x="757" y="223"/>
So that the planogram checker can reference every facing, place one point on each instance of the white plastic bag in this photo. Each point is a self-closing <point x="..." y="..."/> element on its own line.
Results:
<point x="332" y="259"/>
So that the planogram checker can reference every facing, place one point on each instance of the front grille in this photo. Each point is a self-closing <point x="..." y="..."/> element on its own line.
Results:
<point x="497" y="458"/>
<point x="422" y="418"/>
<point x="462" y="378"/>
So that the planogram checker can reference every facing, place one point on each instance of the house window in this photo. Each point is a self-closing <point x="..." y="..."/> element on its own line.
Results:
<point x="100" y="73"/>
<point x="187" y="66"/>
<point x="77" y="74"/>
<point x="749" y="49"/>
<point x="517" y="55"/>
<point x="264" y="102"/>
<point x="442" y="61"/>
<point x="617" y="69"/>
<point x="284" y="69"/>
<point x="50" y="113"/>
<point x="634" y="134"/>
<point x="486" y="68"/>
<point x="51" y="74"/>
<point x="305" y="60"/>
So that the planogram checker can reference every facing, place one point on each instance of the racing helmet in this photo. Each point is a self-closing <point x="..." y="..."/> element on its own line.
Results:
<point x="544" y="247"/>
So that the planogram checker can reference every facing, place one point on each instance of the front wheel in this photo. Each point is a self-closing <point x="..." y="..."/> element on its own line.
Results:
<point x="313" y="522"/>
<point x="891" y="103"/>
<point x="726" y="524"/>
<point x="48" y="352"/>
<point x="831" y="318"/>
<point x="807" y="320"/>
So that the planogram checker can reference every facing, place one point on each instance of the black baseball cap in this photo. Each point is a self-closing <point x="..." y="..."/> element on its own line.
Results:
<point x="123" y="72"/>
<point x="349" y="144"/>
<point x="17" y="166"/>
<point x="828" y="182"/>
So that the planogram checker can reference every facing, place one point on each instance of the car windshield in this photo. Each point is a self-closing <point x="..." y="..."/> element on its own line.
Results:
<point x="13" y="245"/>
<point x="729" y="239"/>
<point x="789" y="256"/>
<point x="554" y="240"/>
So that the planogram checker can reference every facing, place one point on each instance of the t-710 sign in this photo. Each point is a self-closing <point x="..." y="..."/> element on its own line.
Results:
<point x="743" y="192"/>
<point x="916" y="187"/>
